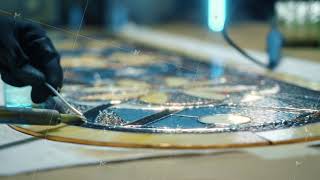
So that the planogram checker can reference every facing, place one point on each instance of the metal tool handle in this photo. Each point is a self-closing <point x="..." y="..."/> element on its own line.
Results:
<point x="29" y="116"/>
<point x="64" y="100"/>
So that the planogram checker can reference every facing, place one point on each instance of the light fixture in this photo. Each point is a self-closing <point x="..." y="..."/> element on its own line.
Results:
<point x="217" y="14"/>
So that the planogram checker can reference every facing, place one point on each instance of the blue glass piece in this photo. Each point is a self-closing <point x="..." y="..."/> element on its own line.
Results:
<point x="217" y="69"/>
<point x="177" y="122"/>
<point x="130" y="115"/>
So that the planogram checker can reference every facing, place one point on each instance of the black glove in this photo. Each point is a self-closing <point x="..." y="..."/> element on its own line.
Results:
<point x="28" y="57"/>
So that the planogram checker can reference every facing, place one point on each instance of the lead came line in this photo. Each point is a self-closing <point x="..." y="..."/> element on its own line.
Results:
<point x="151" y="118"/>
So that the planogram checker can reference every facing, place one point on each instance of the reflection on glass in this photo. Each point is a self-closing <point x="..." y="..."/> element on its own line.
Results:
<point x="217" y="69"/>
<point x="17" y="97"/>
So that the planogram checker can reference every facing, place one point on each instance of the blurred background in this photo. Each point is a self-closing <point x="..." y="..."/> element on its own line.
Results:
<point x="104" y="12"/>
<point x="298" y="20"/>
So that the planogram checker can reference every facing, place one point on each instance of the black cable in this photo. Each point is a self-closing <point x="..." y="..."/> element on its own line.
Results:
<point x="240" y="50"/>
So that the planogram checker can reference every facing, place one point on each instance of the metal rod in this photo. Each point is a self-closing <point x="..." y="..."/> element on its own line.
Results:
<point x="64" y="100"/>
<point x="151" y="118"/>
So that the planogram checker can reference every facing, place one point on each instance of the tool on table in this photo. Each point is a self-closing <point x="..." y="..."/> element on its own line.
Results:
<point x="30" y="116"/>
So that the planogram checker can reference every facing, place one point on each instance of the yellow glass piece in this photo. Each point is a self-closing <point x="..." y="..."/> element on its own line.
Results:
<point x="132" y="59"/>
<point x="224" y="119"/>
<point x="176" y="81"/>
<point x="102" y="137"/>
<point x="133" y="84"/>
<point x="206" y="93"/>
<point x="84" y="61"/>
<point x="122" y="95"/>
<point x="103" y="44"/>
<point x="155" y="98"/>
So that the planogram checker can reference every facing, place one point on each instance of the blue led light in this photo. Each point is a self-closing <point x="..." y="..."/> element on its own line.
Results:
<point x="217" y="14"/>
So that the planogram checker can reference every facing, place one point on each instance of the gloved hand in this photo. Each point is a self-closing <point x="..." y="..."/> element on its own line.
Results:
<point x="28" y="57"/>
